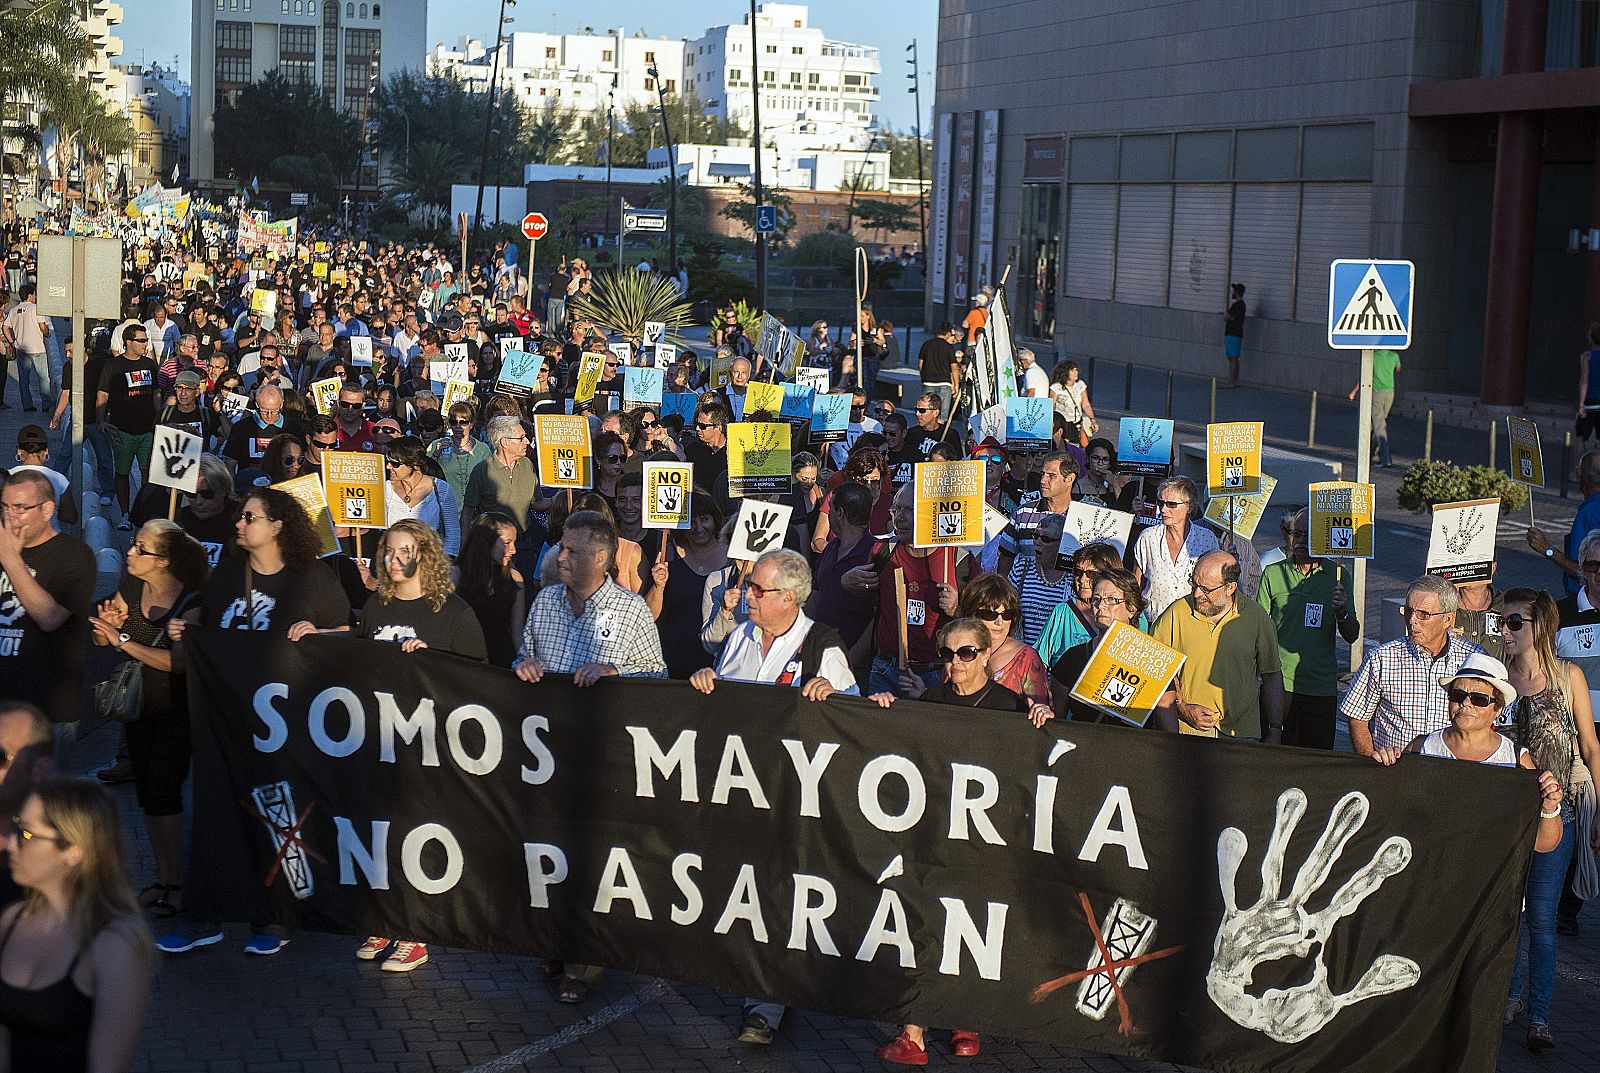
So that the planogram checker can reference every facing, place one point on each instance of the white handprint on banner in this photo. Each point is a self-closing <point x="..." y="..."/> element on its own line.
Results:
<point x="1279" y="926"/>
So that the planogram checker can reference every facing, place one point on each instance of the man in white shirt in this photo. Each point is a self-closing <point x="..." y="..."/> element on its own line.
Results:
<point x="1035" y="384"/>
<point x="163" y="332"/>
<point x="779" y="645"/>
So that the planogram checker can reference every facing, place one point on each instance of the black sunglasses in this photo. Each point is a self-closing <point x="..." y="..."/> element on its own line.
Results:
<point x="989" y="614"/>
<point x="1515" y="622"/>
<point x="1462" y="696"/>
<point x="966" y="654"/>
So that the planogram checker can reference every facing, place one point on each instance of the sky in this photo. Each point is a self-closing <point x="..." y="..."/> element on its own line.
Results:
<point x="153" y="31"/>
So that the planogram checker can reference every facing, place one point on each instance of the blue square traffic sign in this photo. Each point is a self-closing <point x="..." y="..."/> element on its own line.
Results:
<point x="766" y="219"/>
<point x="1369" y="304"/>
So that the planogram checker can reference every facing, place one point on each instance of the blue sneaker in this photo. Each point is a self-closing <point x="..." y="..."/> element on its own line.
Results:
<point x="183" y="938"/>
<point x="264" y="943"/>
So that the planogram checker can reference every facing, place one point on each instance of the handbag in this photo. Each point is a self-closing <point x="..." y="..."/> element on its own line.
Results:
<point x="121" y="697"/>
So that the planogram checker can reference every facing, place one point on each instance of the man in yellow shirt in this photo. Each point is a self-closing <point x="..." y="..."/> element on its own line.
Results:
<point x="1231" y="676"/>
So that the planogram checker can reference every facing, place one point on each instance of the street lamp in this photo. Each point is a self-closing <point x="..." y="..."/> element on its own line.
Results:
<point x="755" y="139"/>
<point x="672" y="175"/>
<point x="488" y="110"/>
<point x="922" y="193"/>
<point x="361" y="141"/>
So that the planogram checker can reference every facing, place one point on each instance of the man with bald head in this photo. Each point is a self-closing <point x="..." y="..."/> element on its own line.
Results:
<point x="247" y="441"/>
<point x="1231" y="683"/>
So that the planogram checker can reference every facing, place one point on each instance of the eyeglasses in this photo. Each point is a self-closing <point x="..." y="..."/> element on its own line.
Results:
<point x="135" y="339"/>
<point x="22" y="508"/>
<point x="24" y="836"/>
<point x="387" y="430"/>
<point x="615" y="459"/>
<point x="992" y="614"/>
<point x="462" y="423"/>
<point x="1409" y="612"/>
<point x="1515" y="622"/>
<point x="1106" y="601"/>
<point x="1462" y="696"/>
<point x="206" y="493"/>
<point x="703" y="426"/>
<point x="757" y="592"/>
<point x="1204" y="590"/>
<point x="514" y="439"/>
<point x="293" y="460"/>
<point x="1172" y="504"/>
<point x="1100" y="458"/>
<point x="649" y="424"/>
<point x="966" y="654"/>
<point x="925" y="410"/>
<point x="250" y="517"/>
<point x="992" y="460"/>
<point x="326" y="445"/>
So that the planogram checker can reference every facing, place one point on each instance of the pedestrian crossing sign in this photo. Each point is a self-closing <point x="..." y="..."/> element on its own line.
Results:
<point x="1369" y="304"/>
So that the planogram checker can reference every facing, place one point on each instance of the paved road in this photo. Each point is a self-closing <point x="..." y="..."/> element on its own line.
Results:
<point x="315" y="1009"/>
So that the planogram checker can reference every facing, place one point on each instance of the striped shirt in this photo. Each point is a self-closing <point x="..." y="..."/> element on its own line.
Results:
<point x="1397" y="690"/>
<point x="615" y="627"/>
<point x="1038" y="597"/>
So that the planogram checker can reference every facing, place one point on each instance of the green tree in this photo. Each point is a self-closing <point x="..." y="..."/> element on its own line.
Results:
<point x="546" y="135"/>
<point x="411" y="108"/>
<point x="902" y="149"/>
<point x="87" y="132"/>
<point x="430" y="172"/>
<point x="303" y="127"/>
<point x="882" y="216"/>
<point x="41" y="45"/>
<point x="742" y="210"/>
<point x="621" y="302"/>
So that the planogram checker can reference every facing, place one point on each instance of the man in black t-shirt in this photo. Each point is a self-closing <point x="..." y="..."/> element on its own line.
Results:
<point x="187" y="413"/>
<point x="897" y="450"/>
<point x="46" y="597"/>
<point x="247" y="441"/>
<point x="936" y="362"/>
<point x="931" y="429"/>
<point x="125" y="409"/>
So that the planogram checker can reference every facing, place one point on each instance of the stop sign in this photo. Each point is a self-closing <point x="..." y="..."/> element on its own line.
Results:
<point x="534" y="225"/>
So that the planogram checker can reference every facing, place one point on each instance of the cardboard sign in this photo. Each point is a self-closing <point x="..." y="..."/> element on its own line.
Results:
<point x="949" y="505"/>
<point x="664" y="355"/>
<point x="623" y="351"/>
<point x="796" y="408"/>
<point x="326" y="393"/>
<point x="1581" y="645"/>
<point x="830" y="416"/>
<point x="456" y="391"/>
<point x="1461" y="546"/>
<point x="758" y="529"/>
<point x="441" y="373"/>
<point x="360" y="350"/>
<point x="1089" y="524"/>
<point x="813" y="377"/>
<point x="588" y="377"/>
<point x="233" y="404"/>
<point x="654" y="330"/>
<point x="986" y="424"/>
<point x="519" y="373"/>
<point x="1126" y="674"/>
<point x="778" y="345"/>
<point x="565" y="459"/>
<point x="668" y="491"/>
<point x="175" y="459"/>
<point x="1242" y="513"/>
<point x="721" y="370"/>
<point x="353" y="483"/>
<point x="308" y="490"/>
<point x="319" y="270"/>
<point x="1527" y="453"/>
<point x="457" y="352"/>
<point x="1233" y="458"/>
<point x="338" y="277"/>
<point x="1144" y="446"/>
<point x="758" y="458"/>
<point x="265" y="302"/>
<point x="642" y="386"/>
<point x="1339" y="517"/>
<point x="1028" y="425"/>
<point x="762" y="401"/>
<point x="680" y="404"/>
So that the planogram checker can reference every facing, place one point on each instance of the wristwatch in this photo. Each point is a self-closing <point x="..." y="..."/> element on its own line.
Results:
<point x="122" y="639"/>
<point x="1549" y="553"/>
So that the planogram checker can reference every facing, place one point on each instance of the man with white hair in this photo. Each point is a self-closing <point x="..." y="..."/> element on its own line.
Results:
<point x="507" y="480"/>
<point x="779" y="645"/>
<point x="1031" y="379"/>
<point x="1395" y="697"/>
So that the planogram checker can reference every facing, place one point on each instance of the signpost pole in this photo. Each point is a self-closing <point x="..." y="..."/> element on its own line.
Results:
<point x="1358" y="572"/>
<point x="80" y="355"/>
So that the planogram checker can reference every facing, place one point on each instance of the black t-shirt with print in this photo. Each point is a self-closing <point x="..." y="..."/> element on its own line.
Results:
<point x="46" y="667"/>
<point x="277" y="601"/>
<point x="130" y="387"/>
<point x="248" y="439"/>
<point x="452" y="628"/>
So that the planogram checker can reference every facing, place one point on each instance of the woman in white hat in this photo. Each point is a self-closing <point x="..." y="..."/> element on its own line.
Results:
<point x="1479" y="692"/>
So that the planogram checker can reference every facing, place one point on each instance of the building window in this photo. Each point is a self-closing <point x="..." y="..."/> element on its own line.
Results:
<point x="375" y="11"/>
<point x="549" y="53"/>
<point x="772" y="50"/>
<point x="363" y="11"/>
<point x="285" y="7"/>
<point x="649" y="57"/>
<point x="349" y="11"/>
<point x="1337" y="152"/>
<point x="670" y="85"/>
<point x="606" y="56"/>
<point x="813" y="79"/>
<point x="734" y="75"/>
<point x="797" y="50"/>
<point x="1264" y="155"/>
<point x="852" y="80"/>
<point x="650" y="84"/>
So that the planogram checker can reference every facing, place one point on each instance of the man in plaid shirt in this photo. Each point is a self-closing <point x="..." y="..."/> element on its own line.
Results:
<point x="1396" y="695"/>
<point x="587" y="625"/>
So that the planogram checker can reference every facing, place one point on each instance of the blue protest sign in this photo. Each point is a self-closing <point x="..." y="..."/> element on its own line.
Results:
<point x="830" y="416"/>
<point x="519" y="372"/>
<point x="641" y="386"/>
<point x="1028" y="425"/>
<point x="1144" y="445"/>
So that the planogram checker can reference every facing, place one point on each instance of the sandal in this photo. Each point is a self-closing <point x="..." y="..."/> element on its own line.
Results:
<point x="550" y="969"/>
<point x="572" y="991"/>
<point x="158" y="889"/>
<point x="162" y="908"/>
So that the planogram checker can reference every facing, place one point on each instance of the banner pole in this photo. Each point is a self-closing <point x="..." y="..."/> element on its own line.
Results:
<point x="861" y="296"/>
<point x="358" y="544"/>
<point x="172" y="504"/>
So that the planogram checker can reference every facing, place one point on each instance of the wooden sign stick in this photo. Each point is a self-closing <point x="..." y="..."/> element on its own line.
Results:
<point x="902" y="660"/>
<point x="172" y="504"/>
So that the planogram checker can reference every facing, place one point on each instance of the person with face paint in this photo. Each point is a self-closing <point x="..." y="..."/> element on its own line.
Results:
<point x="415" y="607"/>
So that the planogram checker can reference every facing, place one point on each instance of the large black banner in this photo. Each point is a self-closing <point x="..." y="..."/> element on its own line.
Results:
<point x="1232" y="906"/>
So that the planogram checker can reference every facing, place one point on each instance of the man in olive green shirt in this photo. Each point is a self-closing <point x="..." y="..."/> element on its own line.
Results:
<point x="1305" y="599"/>
<point x="1385" y="363"/>
<point x="1231" y="676"/>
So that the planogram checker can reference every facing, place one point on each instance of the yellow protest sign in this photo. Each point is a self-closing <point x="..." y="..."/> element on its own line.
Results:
<point x="319" y="270"/>
<point x="326" y="392"/>
<point x="1126" y="674"/>
<point x="456" y="391"/>
<point x="668" y="488"/>
<point x="758" y="458"/>
<point x="565" y="459"/>
<point x="338" y="277"/>
<point x="949" y="506"/>
<point x="354" y="485"/>
<point x="763" y="401"/>
<point x="1241" y="513"/>
<point x="588" y="378"/>
<point x="264" y="300"/>
<point x="721" y="370"/>
<point x="320" y="246"/>
<point x="308" y="490"/>
<point x="1340" y="519"/>
<point x="1527" y="453"/>
<point x="1233" y="458"/>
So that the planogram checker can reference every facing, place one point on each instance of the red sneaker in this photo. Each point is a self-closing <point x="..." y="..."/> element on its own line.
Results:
<point x="963" y="1044"/>
<point x="375" y="945"/>
<point x="904" y="1050"/>
<point x="406" y="956"/>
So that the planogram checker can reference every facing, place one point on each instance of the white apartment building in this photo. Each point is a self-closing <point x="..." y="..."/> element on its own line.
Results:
<point x="332" y="43"/>
<point x="806" y="80"/>
<point x="573" y="72"/>
<point x="787" y="163"/>
<point x="157" y="102"/>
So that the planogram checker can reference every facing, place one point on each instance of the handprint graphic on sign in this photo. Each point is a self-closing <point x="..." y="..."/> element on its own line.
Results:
<point x="1467" y="531"/>
<point x="176" y="456"/>
<point x="173" y="460"/>
<point x="667" y="499"/>
<point x="1280" y="925"/>
<point x="1145" y="436"/>
<point x="764" y="442"/>
<point x="759" y="534"/>
<point x="760" y="529"/>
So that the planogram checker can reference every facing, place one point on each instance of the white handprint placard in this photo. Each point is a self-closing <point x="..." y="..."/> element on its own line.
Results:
<point x="175" y="459"/>
<point x="1461" y="546"/>
<point x="1089" y="524"/>
<point x="758" y="529"/>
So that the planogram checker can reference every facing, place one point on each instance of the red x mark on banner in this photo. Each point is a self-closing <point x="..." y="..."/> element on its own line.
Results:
<point x="1108" y="966"/>
<point x="291" y="837"/>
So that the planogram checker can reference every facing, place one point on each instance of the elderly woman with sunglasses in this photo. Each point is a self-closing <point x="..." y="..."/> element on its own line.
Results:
<point x="1072" y="622"/>
<point x="993" y="601"/>
<point x="1165" y="555"/>
<point x="966" y="648"/>
<point x="1552" y="719"/>
<point x="459" y="451"/>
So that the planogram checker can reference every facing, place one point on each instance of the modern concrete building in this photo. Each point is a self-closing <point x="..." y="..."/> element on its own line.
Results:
<point x="572" y="72"/>
<point x="329" y="42"/>
<point x="1129" y="159"/>
<point x="808" y="81"/>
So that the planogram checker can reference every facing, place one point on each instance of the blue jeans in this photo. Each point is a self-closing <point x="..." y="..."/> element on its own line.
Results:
<point x="772" y="1011"/>
<point x="1536" y="938"/>
<point x="555" y="316"/>
<point x="100" y="443"/>
<point x="38" y="366"/>
<point x="885" y="677"/>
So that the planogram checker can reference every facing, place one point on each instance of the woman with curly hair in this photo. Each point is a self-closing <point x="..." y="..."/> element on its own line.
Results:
<point x="273" y="582"/>
<point x="416" y="607"/>
<point x="285" y="458"/>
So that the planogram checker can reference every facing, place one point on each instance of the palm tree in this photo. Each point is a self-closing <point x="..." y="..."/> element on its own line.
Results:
<point x="434" y="167"/>
<point x="621" y="302"/>
<point x="41" y="45"/>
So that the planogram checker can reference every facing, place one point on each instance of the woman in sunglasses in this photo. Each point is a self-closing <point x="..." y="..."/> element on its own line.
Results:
<point x="610" y="455"/>
<point x="1072" y="621"/>
<point x="1114" y="598"/>
<point x="414" y="492"/>
<point x="1552" y="720"/>
<point x="207" y="513"/>
<point x="285" y="458"/>
<point x="965" y="649"/>
<point x="992" y="600"/>
<point x="459" y="451"/>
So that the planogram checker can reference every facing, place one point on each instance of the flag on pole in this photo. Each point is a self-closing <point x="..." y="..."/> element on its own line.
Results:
<point x="174" y="173"/>
<point x="255" y="184"/>
<point x="993" y="365"/>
